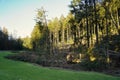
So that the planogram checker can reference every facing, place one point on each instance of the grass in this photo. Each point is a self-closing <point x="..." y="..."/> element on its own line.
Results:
<point x="16" y="70"/>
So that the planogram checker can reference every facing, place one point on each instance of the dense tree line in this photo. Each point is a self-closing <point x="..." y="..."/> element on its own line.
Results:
<point x="90" y="28"/>
<point x="7" y="42"/>
<point x="99" y="22"/>
<point x="88" y="22"/>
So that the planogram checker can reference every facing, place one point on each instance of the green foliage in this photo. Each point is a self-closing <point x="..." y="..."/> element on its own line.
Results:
<point x="40" y="34"/>
<point x="113" y="44"/>
<point x="96" y="23"/>
<point x="96" y="65"/>
<point x="8" y="42"/>
<point x="36" y="35"/>
<point x="27" y="43"/>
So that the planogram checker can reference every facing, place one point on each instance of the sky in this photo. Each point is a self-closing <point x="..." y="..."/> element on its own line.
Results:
<point x="18" y="15"/>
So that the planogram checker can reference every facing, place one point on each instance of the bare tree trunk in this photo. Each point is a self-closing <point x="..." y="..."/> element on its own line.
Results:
<point x="86" y="4"/>
<point x="67" y="34"/>
<point x="118" y="24"/>
<point x="63" y="36"/>
<point x="96" y="27"/>
<point x="50" y="38"/>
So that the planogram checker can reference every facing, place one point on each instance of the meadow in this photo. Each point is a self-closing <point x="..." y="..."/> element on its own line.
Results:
<point x="17" y="70"/>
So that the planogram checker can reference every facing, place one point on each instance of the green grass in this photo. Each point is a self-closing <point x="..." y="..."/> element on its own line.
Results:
<point x="16" y="70"/>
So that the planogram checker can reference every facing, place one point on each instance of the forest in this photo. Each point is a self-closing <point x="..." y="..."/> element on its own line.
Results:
<point x="88" y="38"/>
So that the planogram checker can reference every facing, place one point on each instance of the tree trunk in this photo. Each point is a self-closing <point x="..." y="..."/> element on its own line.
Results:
<point x="63" y="35"/>
<point x="96" y="27"/>
<point x="86" y="5"/>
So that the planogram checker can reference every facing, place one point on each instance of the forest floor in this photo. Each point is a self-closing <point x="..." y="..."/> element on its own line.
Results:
<point x="17" y="70"/>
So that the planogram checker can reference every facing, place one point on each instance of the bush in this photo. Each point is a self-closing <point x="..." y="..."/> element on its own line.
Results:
<point x="96" y="65"/>
<point x="41" y="60"/>
<point x="27" y="57"/>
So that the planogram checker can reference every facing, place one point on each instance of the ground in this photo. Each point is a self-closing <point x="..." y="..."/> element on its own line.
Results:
<point x="16" y="70"/>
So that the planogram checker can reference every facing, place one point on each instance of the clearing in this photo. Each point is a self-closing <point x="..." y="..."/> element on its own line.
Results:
<point x="16" y="70"/>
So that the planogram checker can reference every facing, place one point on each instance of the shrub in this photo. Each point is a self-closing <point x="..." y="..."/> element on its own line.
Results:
<point x="27" y="57"/>
<point x="96" y="65"/>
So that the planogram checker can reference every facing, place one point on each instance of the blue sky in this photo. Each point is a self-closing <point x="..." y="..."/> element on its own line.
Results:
<point x="18" y="15"/>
